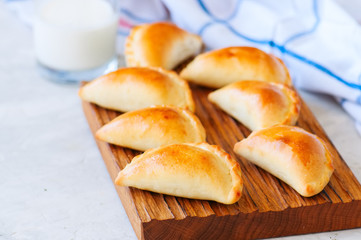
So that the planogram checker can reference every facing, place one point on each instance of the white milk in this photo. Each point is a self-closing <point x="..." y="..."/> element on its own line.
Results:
<point x="75" y="35"/>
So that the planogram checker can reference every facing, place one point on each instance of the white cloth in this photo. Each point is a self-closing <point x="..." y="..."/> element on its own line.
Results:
<point x="319" y="42"/>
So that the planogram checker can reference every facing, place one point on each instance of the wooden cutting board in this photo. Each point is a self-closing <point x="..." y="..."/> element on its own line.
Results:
<point x="268" y="207"/>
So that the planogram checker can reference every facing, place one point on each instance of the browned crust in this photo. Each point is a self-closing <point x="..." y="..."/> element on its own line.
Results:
<point x="183" y="83"/>
<point x="288" y="81"/>
<point x="130" y="59"/>
<point x="295" y="108"/>
<point x="235" y="170"/>
<point x="155" y="40"/>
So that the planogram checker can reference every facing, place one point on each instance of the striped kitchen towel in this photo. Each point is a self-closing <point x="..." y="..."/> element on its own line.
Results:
<point x="319" y="42"/>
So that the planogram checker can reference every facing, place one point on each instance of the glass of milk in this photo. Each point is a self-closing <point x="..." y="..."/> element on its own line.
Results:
<point x="75" y="39"/>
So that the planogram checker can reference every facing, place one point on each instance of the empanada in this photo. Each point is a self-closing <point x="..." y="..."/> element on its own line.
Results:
<point x="258" y="104"/>
<point x="224" y="66"/>
<point x="153" y="127"/>
<point x="199" y="171"/>
<point x="297" y="157"/>
<point x="129" y="89"/>
<point x="160" y="44"/>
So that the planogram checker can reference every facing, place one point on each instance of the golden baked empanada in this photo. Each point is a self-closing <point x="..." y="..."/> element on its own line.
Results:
<point x="199" y="171"/>
<point x="160" y="44"/>
<point x="129" y="89"/>
<point x="153" y="127"/>
<point x="297" y="157"/>
<point x="224" y="66"/>
<point x="258" y="104"/>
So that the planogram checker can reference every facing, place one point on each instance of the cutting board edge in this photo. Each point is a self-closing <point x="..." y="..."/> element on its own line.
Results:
<point x="242" y="225"/>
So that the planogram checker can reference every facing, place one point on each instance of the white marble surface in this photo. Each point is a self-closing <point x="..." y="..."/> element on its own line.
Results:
<point x="53" y="182"/>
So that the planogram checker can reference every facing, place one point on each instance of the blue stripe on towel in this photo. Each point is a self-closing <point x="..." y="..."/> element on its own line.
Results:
<point x="342" y="101"/>
<point x="200" y="32"/>
<point x="314" y="27"/>
<point x="233" y="14"/>
<point x="281" y="48"/>
<point x="236" y="10"/>
<point x="358" y="100"/>
<point x="321" y="68"/>
<point x="203" y="6"/>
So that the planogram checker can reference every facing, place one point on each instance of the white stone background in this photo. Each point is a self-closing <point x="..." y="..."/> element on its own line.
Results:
<point x="53" y="182"/>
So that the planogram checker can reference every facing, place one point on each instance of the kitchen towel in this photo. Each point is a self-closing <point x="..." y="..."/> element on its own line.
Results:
<point x="319" y="42"/>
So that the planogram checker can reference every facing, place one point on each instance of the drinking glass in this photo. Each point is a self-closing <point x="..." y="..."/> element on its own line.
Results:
<point x="75" y="40"/>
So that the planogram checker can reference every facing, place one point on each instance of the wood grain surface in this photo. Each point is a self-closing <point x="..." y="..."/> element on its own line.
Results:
<point x="268" y="206"/>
